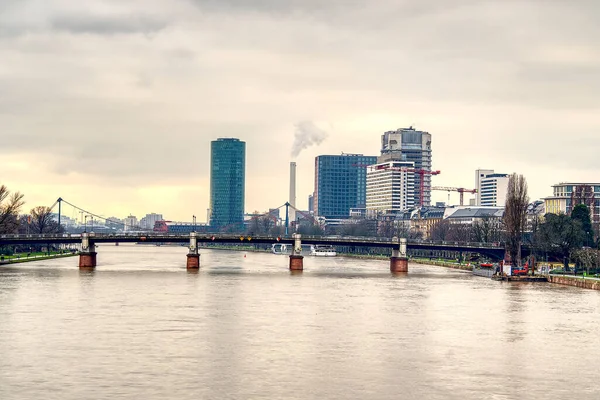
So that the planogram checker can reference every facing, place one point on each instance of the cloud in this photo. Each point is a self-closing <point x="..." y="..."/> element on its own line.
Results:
<point x="107" y="25"/>
<point x="18" y="18"/>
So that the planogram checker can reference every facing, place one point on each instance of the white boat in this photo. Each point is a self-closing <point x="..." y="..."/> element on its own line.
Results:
<point x="322" y="251"/>
<point x="307" y="250"/>
<point x="286" y="249"/>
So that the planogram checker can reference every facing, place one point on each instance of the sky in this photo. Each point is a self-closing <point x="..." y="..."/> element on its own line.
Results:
<point x="112" y="104"/>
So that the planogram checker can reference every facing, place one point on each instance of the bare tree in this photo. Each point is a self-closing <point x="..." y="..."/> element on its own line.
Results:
<point x="10" y="205"/>
<point x="587" y="258"/>
<point x="515" y="216"/>
<point x="486" y="230"/>
<point x="459" y="232"/>
<point x="440" y="230"/>
<point x="42" y="221"/>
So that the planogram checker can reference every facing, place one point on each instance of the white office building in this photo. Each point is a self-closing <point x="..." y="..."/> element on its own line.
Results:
<point x="390" y="187"/>
<point x="130" y="223"/>
<point x="149" y="220"/>
<point x="492" y="188"/>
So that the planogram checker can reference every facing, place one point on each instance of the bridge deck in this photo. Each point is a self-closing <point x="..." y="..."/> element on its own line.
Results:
<point x="494" y="250"/>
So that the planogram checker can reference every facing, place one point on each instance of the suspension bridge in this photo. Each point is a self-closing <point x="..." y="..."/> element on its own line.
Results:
<point x="88" y="241"/>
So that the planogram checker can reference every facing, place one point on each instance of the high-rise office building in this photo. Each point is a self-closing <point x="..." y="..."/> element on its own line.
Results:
<point x="492" y="188"/>
<point x="410" y="145"/>
<point x="390" y="188"/>
<point x="340" y="184"/>
<point x="227" y="182"/>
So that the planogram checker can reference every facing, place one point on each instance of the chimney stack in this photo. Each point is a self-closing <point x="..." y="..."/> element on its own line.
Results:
<point x="292" y="200"/>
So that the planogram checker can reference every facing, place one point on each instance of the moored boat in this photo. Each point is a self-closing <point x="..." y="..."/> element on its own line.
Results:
<point x="286" y="249"/>
<point x="322" y="251"/>
<point x="484" y="269"/>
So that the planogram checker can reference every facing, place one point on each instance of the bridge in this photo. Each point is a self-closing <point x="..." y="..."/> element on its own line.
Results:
<point x="398" y="260"/>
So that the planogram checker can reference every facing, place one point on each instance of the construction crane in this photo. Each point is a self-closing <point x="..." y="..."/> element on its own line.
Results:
<point x="462" y="191"/>
<point x="420" y="172"/>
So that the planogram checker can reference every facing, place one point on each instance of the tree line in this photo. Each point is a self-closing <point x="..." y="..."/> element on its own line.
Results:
<point x="567" y="238"/>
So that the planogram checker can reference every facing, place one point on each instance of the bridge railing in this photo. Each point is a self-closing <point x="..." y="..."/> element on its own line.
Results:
<point x="244" y="237"/>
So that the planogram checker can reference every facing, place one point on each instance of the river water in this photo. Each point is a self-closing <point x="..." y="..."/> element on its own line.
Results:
<point x="244" y="327"/>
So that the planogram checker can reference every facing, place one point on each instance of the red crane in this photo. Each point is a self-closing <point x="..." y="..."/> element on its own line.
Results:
<point x="421" y="172"/>
<point x="462" y="191"/>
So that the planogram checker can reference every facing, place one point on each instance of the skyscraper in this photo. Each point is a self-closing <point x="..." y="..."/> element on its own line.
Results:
<point x="340" y="184"/>
<point x="408" y="144"/>
<point x="227" y="182"/>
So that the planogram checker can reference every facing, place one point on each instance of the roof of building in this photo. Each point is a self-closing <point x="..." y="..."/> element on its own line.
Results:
<point x="576" y="184"/>
<point x="477" y="212"/>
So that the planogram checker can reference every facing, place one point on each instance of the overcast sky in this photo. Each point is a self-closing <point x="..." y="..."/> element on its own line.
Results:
<point x="112" y="104"/>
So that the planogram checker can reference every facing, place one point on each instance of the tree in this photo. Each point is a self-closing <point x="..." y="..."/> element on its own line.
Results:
<point x="356" y="228"/>
<point x="261" y="224"/>
<point x="458" y="232"/>
<point x="10" y="205"/>
<point x="515" y="216"/>
<point x="587" y="258"/>
<point x="439" y="230"/>
<point x="310" y="229"/>
<point x="581" y="212"/>
<point x="560" y="235"/>
<point x="42" y="220"/>
<point x="486" y="230"/>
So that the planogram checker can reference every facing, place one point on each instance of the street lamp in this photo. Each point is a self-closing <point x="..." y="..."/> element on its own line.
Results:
<point x="85" y="226"/>
<point x="194" y="218"/>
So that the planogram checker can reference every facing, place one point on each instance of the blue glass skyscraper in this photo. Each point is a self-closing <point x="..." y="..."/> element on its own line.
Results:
<point x="227" y="183"/>
<point x="340" y="184"/>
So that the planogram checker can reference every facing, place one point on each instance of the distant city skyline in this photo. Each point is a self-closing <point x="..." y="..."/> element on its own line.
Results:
<point x="113" y="105"/>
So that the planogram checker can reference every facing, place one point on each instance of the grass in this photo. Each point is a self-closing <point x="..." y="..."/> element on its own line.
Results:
<point x="21" y="257"/>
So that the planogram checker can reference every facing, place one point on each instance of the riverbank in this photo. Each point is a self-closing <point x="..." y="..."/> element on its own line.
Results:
<point x="443" y="263"/>
<point x="39" y="257"/>
<point x="576" y="281"/>
<point x="426" y="261"/>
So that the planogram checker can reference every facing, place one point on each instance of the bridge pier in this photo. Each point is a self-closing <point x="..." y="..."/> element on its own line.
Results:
<point x="193" y="257"/>
<point x="296" y="258"/>
<point x="87" y="255"/>
<point x="399" y="259"/>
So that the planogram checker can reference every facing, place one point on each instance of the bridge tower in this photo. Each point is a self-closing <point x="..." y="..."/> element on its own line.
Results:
<point x="193" y="257"/>
<point x="296" y="258"/>
<point x="399" y="259"/>
<point x="87" y="255"/>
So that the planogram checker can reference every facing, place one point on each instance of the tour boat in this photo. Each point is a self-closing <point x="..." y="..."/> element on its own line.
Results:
<point x="322" y="251"/>
<point x="312" y="250"/>
<point x="286" y="249"/>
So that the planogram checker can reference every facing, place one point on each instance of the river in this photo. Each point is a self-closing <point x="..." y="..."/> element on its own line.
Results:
<point x="244" y="327"/>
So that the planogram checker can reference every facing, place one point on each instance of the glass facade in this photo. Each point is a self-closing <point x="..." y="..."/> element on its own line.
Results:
<point x="227" y="183"/>
<point x="340" y="184"/>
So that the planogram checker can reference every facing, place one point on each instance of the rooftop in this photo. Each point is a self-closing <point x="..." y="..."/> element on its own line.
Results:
<point x="478" y="212"/>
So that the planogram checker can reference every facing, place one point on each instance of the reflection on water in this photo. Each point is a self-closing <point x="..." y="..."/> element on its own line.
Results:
<point x="244" y="326"/>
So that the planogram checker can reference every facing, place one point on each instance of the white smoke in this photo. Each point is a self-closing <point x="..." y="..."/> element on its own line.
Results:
<point x="306" y="135"/>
